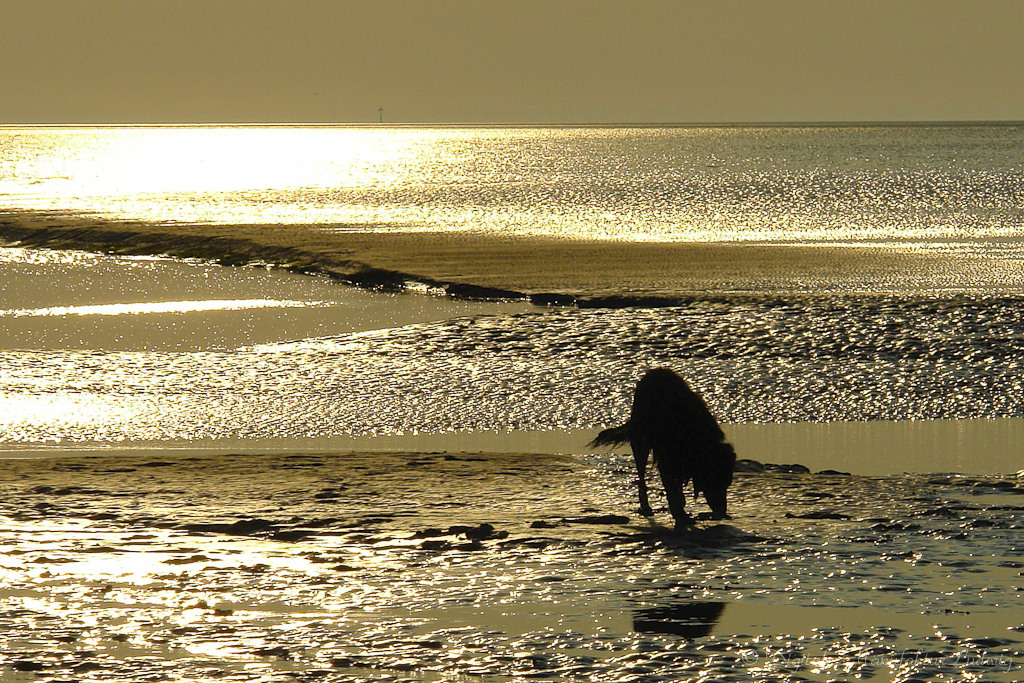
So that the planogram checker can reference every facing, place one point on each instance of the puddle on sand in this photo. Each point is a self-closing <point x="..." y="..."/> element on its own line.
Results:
<point x="499" y="567"/>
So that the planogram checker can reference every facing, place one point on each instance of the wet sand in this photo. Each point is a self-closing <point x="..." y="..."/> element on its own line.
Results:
<point x="433" y="566"/>
<point x="543" y="270"/>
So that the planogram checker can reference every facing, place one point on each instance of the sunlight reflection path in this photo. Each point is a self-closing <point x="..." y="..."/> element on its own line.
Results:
<point x="160" y="307"/>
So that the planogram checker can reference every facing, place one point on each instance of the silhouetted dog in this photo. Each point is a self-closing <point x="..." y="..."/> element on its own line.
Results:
<point x="673" y="421"/>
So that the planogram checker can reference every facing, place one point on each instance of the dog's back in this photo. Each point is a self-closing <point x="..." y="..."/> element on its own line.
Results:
<point x="667" y="412"/>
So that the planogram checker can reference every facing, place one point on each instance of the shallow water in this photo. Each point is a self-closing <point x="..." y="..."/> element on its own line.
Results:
<point x="74" y="300"/>
<point x="433" y="566"/>
<point x="802" y="360"/>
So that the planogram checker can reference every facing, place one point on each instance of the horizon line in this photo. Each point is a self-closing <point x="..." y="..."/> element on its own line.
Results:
<point x="492" y="124"/>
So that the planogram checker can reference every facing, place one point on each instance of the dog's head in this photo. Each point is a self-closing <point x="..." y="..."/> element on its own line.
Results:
<point x="716" y="478"/>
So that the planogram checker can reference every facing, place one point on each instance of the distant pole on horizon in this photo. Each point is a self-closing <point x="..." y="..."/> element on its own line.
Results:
<point x="381" y="112"/>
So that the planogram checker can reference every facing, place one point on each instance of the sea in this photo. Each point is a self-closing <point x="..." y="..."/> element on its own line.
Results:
<point x="101" y="351"/>
<point x="244" y="473"/>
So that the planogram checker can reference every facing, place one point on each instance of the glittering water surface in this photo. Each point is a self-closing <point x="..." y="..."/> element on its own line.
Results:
<point x="934" y="183"/>
<point x="781" y="360"/>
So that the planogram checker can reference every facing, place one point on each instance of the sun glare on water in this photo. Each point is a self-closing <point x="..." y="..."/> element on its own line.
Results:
<point x="202" y="174"/>
<point x="123" y="161"/>
<point x="63" y="413"/>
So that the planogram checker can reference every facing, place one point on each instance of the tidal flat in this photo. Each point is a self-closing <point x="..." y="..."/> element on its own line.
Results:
<point x="498" y="567"/>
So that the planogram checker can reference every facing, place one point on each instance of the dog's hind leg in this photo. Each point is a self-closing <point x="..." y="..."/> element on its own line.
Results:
<point x="640" y="452"/>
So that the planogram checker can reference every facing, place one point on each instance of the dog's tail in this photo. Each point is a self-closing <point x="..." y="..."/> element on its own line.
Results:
<point x="611" y="437"/>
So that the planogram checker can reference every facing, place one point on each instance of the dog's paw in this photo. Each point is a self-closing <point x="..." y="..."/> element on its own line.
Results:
<point x="685" y="522"/>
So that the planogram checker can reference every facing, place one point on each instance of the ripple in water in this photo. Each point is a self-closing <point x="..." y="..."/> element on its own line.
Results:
<point x="766" y="360"/>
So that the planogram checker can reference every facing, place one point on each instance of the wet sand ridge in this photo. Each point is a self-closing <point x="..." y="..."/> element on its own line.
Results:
<point x="543" y="270"/>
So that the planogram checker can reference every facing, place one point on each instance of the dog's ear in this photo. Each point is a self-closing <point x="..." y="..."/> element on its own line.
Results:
<point x="728" y="455"/>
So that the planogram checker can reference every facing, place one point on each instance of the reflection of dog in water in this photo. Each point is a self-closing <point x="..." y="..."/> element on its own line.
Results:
<point x="673" y="421"/>
<point x="687" y="619"/>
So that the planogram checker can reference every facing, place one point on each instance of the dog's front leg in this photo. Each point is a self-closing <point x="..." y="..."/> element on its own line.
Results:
<point x="673" y="484"/>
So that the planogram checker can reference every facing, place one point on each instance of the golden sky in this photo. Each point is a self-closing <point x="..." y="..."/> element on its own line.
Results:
<point x="510" y="61"/>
